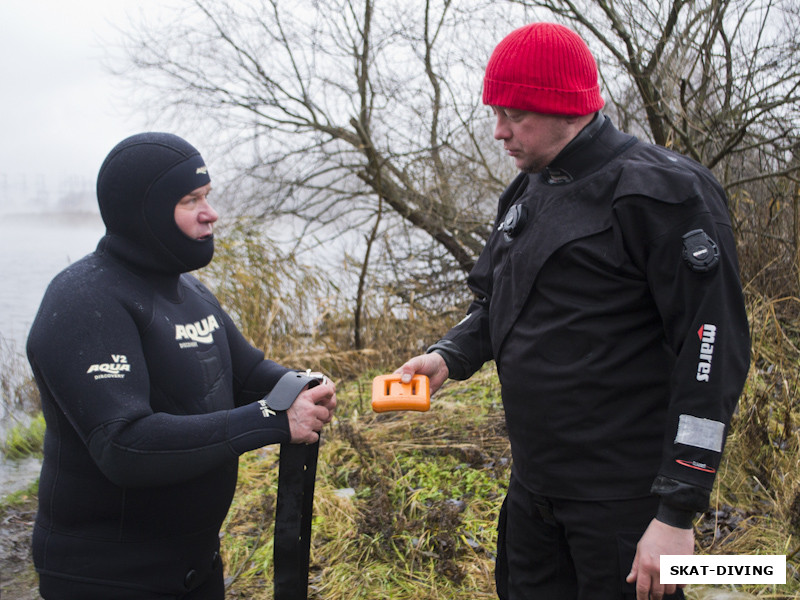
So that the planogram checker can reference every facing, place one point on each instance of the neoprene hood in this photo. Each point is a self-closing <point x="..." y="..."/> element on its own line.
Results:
<point x="139" y="184"/>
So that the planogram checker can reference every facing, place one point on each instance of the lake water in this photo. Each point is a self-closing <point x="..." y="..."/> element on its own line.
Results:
<point x="33" y="248"/>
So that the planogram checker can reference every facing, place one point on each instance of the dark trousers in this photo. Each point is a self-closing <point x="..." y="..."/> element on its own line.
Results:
<point x="554" y="549"/>
<point x="56" y="588"/>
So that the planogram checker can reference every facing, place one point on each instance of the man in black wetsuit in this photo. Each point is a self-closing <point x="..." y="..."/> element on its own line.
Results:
<point x="150" y="393"/>
<point x="608" y="296"/>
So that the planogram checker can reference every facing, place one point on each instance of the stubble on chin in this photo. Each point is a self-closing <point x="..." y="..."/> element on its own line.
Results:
<point x="531" y="169"/>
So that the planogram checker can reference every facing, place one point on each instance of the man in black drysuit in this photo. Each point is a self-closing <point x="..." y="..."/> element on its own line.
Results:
<point x="150" y="393"/>
<point x="608" y="296"/>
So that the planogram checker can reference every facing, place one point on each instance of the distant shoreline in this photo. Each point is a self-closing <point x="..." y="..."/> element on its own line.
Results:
<point x="76" y="216"/>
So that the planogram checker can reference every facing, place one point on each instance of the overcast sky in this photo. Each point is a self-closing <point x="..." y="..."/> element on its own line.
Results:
<point x="60" y="110"/>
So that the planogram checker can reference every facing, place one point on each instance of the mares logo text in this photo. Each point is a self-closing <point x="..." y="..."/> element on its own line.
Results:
<point x="708" y="336"/>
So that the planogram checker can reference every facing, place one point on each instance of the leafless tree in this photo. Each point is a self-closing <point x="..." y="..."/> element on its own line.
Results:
<point x="357" y="123"/>
<point x="338" y="107"/>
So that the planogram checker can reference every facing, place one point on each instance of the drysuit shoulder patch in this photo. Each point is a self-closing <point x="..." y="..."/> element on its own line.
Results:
<point x="700" y="252"/>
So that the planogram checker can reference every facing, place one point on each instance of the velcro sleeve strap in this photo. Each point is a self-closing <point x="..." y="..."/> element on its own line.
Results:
<point x="288" y="388"/>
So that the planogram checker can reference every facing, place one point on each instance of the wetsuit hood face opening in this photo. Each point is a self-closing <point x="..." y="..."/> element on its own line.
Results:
<point x="139" y="184"/>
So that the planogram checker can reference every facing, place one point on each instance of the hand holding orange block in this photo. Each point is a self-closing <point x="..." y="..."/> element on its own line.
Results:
<point x="389" y="393"/>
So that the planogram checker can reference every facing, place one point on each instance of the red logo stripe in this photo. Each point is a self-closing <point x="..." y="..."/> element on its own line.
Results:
<point x="696" y="466"/>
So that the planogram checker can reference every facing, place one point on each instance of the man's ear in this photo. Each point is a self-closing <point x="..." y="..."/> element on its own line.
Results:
<point x="579" y="121"/>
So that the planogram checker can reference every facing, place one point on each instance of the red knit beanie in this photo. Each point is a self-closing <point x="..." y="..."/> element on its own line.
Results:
<point x="544" y="68"/>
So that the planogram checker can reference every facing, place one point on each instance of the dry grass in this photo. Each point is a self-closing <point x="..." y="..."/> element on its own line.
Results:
<point x="406" y="534"/>
<point x="405" y="506"/>
<point x="756" y="500"/>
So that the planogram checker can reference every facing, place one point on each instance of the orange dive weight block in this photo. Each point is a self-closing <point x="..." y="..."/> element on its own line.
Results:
<point x="389" y="393"/>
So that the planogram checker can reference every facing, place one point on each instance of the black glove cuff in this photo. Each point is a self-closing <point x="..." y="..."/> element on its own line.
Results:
<point x="676" y="517"/>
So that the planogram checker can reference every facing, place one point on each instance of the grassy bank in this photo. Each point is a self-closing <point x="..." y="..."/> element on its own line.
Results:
<point x="406" y="503"/>
<point x="25" y="439"/>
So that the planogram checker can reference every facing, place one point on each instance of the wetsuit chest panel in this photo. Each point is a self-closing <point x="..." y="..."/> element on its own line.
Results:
<point x="188" y="359"/>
